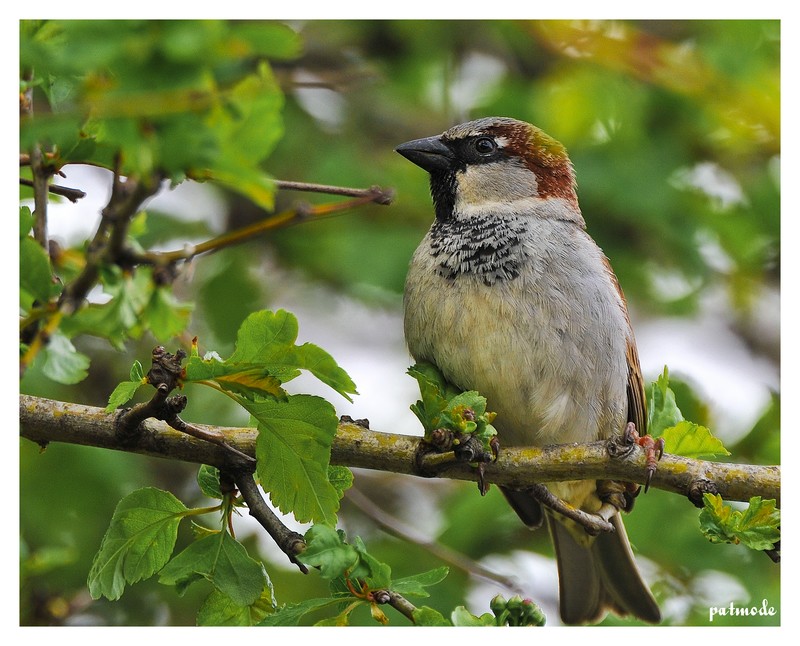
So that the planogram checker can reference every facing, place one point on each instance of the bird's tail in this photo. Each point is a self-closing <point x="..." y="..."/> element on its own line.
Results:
<point x="600" y="577"/>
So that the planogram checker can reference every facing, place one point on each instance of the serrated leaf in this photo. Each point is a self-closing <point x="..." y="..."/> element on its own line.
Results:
<point x="63" y="363"/>
<point x="268" y="338"/>
<point x="293" y="450"/>
<point x="219" y="610"/>
<point x="415" y="585"/>
<point x="341" y="478"/>
<point x="692" y="441"/>
<point x="758" y="527"/>
<point x="224" y="562"/>
<point x="138" y="542"/>
<point x="208" y="481"/>
<point x="122" y="394"/>
<point x="326" y="550"/>
<point x="246" y="379"/>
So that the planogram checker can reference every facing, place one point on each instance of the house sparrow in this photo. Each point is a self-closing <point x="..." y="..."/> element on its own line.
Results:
<point x="508" y="295"/>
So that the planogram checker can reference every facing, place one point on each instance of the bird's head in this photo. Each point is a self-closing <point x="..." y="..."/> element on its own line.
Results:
<point x="495" y="163"/>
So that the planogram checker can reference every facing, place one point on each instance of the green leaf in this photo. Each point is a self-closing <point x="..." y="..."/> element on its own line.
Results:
<point x="219" y="610"/>
<point x="224" y="562"/>
<point x="268" y="338"/>
<point x="291" y="614"/>
<point x="246" y="379"/>
<point x="249" y="124"/>
<point x="271" y="39"/>
<point x="118" y="319"/>
<point x="138" y="542"/>
<point x="426" y="616"/>
<point x="122" y="394"/>
<point x="35" y="273"/>
<point x="758" y="527"/>
<point x="463" y="617"/>
<point x="341" y="478"/>
<point x="415" y="585"/>
<point x="25" y="222"/>
<point x="164" y="316"/>
<point x="692" y="441"/>
<point x="443" y="406"/>
<point x="662" y="410"/>
<point x="376" y="573"/>
<point x="432" y="389"/>
<point x="137" y="372"/>
<point x="326" y="550"/>
<point x="125" y="391"/>
<point x="293" y="449"/>
<point x="208" y="480"/>
<point x="64" y="363"/>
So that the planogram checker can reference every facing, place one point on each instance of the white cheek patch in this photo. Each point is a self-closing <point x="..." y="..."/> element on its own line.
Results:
<point x="498" y="182"/>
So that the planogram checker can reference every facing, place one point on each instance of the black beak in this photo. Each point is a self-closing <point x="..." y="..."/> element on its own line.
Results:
<point x="429" y="153"/>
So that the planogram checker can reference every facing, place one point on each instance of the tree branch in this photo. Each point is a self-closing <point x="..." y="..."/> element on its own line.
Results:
<point x="291" y="543"/>
<point x="72" y="194"/>
<point x="294" y="215"/>
<point x="44" y="421"/>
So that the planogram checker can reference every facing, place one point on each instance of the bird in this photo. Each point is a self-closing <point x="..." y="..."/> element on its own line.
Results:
<point x="508" y="294"/>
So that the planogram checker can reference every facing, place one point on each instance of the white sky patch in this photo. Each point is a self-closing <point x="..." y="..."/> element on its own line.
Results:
<point x="474" y="81"/>
<point x="327" y="106"/>
<point x="715" y="182"/>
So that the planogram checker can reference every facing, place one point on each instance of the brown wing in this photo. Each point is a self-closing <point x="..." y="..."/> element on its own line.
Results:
<point x="637" y="407"/>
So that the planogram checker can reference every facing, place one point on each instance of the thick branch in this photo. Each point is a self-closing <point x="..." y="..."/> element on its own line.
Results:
<point x="44" y="421"/>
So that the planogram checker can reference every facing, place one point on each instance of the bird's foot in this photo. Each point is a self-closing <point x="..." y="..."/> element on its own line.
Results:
<point x="444" y="448"/>
<point x="653" y="449"/>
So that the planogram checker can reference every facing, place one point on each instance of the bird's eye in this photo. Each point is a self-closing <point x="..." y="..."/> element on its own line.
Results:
<point x="485" y="145"/>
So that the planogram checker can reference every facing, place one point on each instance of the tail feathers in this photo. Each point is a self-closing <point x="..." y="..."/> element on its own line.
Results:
<point x="525" y="505"/>
<point x="593" y="580"/>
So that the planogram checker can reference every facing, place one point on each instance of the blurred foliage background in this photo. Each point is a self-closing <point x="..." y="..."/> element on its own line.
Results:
<point x="674" y="130"/>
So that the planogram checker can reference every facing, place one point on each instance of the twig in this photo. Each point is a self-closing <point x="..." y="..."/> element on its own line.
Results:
<point x="397" y="528"/>
<point x="72" y="194"/>
<point x="109" y="239"/>
<point x="592" y="523"/>
<point x="375" y="193"/>
<point x="164" y="376"/>
<point x="291" y="543"/>
<point x="106" y="246"/>
<point x="288" y="217"/>
<point x="41" y="179"/>
<point x="396" y="601"/>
